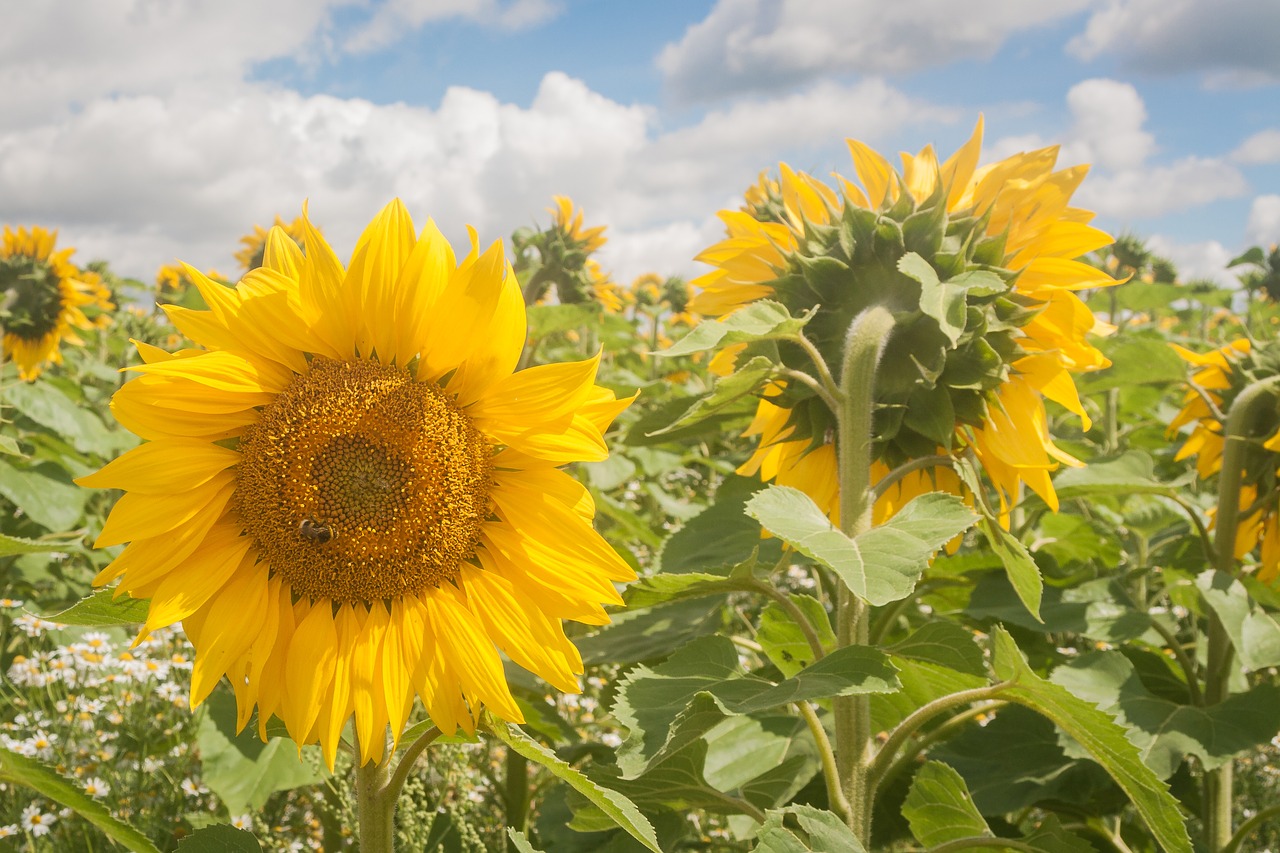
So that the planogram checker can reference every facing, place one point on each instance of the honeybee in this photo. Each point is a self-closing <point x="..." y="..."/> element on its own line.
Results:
<point x="314" y="531"/>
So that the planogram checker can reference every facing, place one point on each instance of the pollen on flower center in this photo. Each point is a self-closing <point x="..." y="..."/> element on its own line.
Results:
<point x="360" y="483"/>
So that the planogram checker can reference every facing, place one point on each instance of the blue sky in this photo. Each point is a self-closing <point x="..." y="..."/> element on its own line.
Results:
<point x="152" y="129"/>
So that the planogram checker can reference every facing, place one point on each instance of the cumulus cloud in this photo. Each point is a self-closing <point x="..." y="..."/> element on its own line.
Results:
<point x="1261" y="147"/>
<point x="57" y="55"/>
<point x="140" y="179"/>
<point x="391" y="18"/>
<point x="1107" y="131"/>
<point x="760" y="45"/>
<point x="1232" y="41"/>
<point x="1264" y="220"/>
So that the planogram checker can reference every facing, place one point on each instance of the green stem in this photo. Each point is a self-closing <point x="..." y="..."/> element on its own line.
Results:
<point x="797" y="615"/>
<point x="906" y="468"/>
<point x="1113" y="421"/>
<point x="989" y="842"/>
<point x="403" y="768"/>
<point x="1238" y="432"/>
<point x="517" y="793"/>
<point x="917" y="718"/>
<point x="863" y="348"/>
<point x="375" y="810"/>
<point x="830" y="770"/>
<point x="1246" y="829"/>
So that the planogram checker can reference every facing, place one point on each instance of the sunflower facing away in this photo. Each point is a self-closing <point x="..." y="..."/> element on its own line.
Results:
<point x="349" y="498"/>
<point x="1219" y="376"/>
<point x="43" y="294"/>
<point x="1003" y="235"/>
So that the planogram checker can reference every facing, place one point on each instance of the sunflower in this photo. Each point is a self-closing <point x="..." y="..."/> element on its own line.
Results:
<point x="568" y="221"/>
<point x="349" y="498"/>
<point x="1219" y="376"/>
<point x="250" y="257"/>
<point x="44" y="295"/>
<point x="1024" y="331"/>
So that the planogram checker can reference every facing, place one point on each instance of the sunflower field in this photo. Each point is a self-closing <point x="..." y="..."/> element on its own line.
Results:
<point x="929" y="518"/>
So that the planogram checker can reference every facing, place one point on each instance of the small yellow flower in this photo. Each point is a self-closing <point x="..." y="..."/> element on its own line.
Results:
<point x="250" y="256"/>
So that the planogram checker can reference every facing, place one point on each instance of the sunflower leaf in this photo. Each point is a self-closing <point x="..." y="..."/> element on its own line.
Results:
<point x="623" y="812"/>
<point x="219" y="839"/>
<point x="815" y="830"/>
<point x="520" y="840"/>
<point x="102" y="609"/>
<point x="759" y="321"/>
<point x="1105" y="740"/>
<point x="1022" y="570"/>
<point x="10" y="545"/>
<point x="20" y="770"/>
<point x="746" y="380"/>
<point x="939" y="807"/>
<point x="1254" y="634"/>
<point x="881" y="565"/>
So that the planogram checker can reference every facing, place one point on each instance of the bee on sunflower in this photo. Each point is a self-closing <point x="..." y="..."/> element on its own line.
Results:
<point x="43" y="297"/>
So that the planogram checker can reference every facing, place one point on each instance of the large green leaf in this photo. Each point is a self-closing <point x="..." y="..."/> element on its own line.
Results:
<point x="219" y="839"/>
<point x="45" y="494"/>
<point x="1023" y="573"/>
<point x="1099" y="609"/>
<point x="621" y="810"/>
<point x="722" y="535"/>
<point x="1016" y="760"/>
<point x="1131" y="473"/>
<point x="939" y="807"/>
<point x="1135" y="361"/>
<point x="1103" y="738"/>
<point x="1253" y="632"/>
<point x="784" y="641"/>
<point x="759" y="321"/>
<point x="653" y="632"/>
<point x="663" y="588"/>
<point x="44" y="404"/>
<point x="19" y="770"/>
<point x="704" y="681"/>
<point x="1165" y="731"/>
<point x="10" y="545"/>
<point x="881" y="565"/>
<point x="241" y="769"/>
<point x="943" y="643"/>
<point x="742" y="383"/>
<point x="103" y="609"/>
<point x="814" y="831"/>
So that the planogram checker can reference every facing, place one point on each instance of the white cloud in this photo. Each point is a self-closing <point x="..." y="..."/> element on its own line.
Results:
<point x="1262" y="147"/>
<point x="1264" y="220"/>
<point x="60" y="54"/>
<point x="1233" y="41"/>
<point x="390" y="19"/>
<point x="141" y="179"/>
<point x="1107" y="131"/>
<point x="759" y="45"/>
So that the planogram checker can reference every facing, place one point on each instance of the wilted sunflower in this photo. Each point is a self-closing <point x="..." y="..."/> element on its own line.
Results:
<point x="350" y="499"/>
<point x="997" y="244"/>
<point x="250" y="257"/>
<point x="42" y="293"/>
<point x="1220" y="375"/>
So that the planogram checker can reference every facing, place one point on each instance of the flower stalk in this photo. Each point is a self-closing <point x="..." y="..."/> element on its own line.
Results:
<point x="863" y="348"/>
<point x="376" y="806"/>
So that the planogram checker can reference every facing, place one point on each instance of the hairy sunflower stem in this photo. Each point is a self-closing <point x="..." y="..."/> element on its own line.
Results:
<point x="1238" y="432"/>
<point x="407" y="760"/>
<point x="863" y="348"/>
<point x="376" y="805"/>
<point x="830" y="771"/>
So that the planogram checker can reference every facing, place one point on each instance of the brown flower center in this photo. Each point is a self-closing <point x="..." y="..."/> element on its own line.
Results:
<point x="360" y="483"/>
